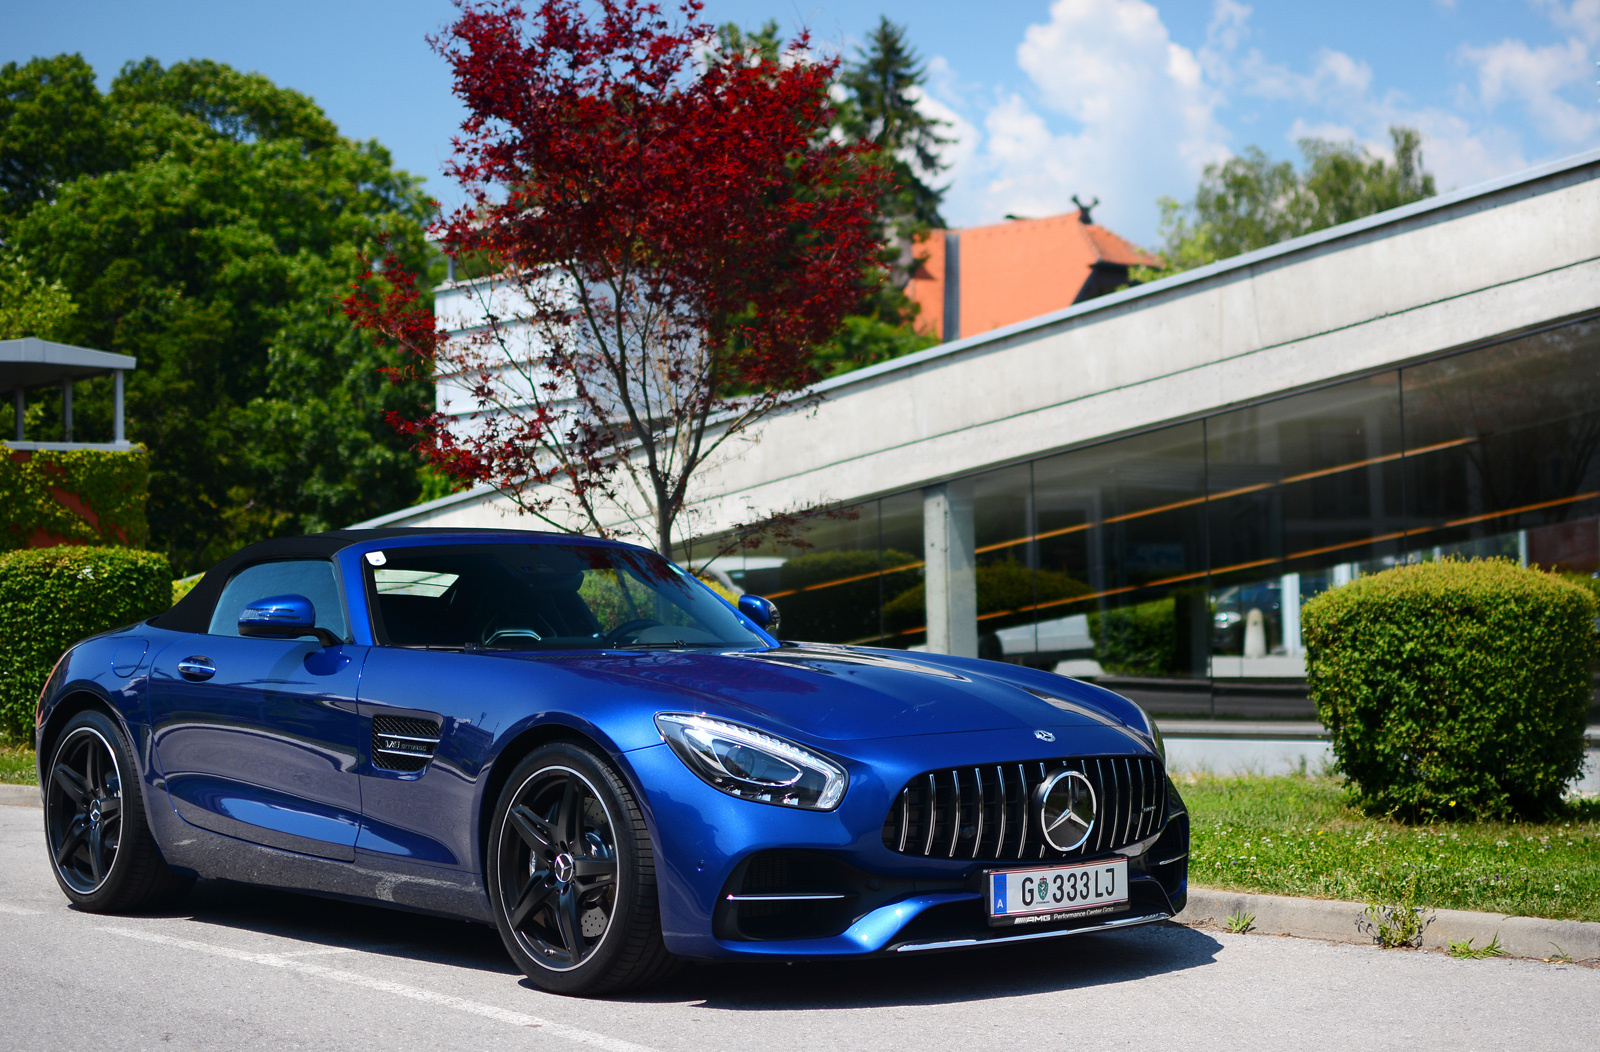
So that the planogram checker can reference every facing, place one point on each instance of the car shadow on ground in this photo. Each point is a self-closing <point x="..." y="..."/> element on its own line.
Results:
<point x="1048" y="965"/>
<point x="1003" y="971"/>
<point x="337" y="924"/>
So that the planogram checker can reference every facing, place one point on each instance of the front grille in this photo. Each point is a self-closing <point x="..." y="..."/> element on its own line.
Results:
<point x="403" y="743"/>
<point x="987" y="812"/>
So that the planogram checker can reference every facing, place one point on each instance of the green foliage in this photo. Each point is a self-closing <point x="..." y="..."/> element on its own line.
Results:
<point x="52" y="597"/>
<point x="881" y="86"/>
<point x="1138" y="640"/>
<point x="867" y="339"/>
<point x="184" y="585"/>
<point x="31" y="306"/>
<point x="1454" y="689"/>
<point x="17" y="766"/>
<point x="210" y="222"/>
<point x="1239" y="923"/>
<point x="1465" y="951"/>
<point x="1002" y="586"/>
<point x="1248" y="202"/>
<point x="840" y="612"/>
<point x="110" y="485"/>
<point x="1395" y="926"/>
<point x="1308" y="837"/>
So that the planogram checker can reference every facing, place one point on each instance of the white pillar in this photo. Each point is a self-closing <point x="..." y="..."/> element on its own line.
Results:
<point x="952" y="593"/>
<point x="19" y="404"/>
<point x="66" y="410"/>
<point x="1289" y="597"/>
<point x="116" y="406"/>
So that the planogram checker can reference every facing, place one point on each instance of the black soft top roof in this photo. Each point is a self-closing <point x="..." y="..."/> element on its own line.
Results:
<point x="192" y="613"/>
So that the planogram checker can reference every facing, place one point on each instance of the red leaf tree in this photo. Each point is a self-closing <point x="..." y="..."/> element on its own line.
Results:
<point x="671" y="231"/>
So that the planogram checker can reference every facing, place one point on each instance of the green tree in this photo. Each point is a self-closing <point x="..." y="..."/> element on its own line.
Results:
<point x="881" y="87"/>
<point x="30" y="306"/>
<point x="1249" y="202"/>
<point x="54" y="127"/>
<point x="876" y="95"/>
<point x="213" y="237"/>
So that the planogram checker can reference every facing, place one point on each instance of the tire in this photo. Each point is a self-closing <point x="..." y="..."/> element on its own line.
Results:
<point x="100" y="847"/>
<point x="571" y="876"/>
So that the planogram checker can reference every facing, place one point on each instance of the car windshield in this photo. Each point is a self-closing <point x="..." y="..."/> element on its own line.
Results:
<point x="544" y="597"/>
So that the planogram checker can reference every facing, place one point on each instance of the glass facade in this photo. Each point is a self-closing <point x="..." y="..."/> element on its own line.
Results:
<point x="1171" y="565"/>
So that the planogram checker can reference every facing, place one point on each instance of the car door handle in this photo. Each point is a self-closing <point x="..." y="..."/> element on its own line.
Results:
<point x="196" y="668"/>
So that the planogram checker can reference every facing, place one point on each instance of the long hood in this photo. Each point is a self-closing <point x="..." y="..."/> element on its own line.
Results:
<point x="848" y="693"/>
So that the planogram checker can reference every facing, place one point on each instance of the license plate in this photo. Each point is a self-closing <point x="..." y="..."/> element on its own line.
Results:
<point x="1037" y="896"/>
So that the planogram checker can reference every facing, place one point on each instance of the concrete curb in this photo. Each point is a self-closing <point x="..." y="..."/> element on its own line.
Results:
<point x="1336" y="921"/>
<point x="20" y="796"/>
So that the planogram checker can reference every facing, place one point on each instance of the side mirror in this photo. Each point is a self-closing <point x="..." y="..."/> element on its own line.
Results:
<point x="763" y="612"/>
<point x="283" y="617"/>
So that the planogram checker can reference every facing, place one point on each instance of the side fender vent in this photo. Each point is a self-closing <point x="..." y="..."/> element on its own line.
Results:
<point x="403" y="743"/>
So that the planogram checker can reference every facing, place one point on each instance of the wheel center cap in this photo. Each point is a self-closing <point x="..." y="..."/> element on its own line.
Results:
<point x="94" y="812"/>
<point x="563" y="867"/>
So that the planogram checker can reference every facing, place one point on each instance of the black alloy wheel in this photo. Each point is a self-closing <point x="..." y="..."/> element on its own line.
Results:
<point x="571" y="875"/>
<point x="101" y="851"/>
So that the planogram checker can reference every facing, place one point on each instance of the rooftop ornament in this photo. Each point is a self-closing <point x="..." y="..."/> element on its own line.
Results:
<point x="31" y="363"/>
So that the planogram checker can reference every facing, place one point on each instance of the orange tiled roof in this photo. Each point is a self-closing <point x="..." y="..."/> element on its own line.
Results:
<point x="1015" y="270"/>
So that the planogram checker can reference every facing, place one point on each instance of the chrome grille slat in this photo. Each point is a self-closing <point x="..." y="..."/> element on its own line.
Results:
<point x="1130" y="797"/>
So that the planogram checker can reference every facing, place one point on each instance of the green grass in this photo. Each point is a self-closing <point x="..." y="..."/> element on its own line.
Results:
<point x="16" y="766"/>
<point x="1301" y="836"/>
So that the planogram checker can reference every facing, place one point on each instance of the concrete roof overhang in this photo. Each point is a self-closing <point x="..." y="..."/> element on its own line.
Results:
<point x="32" y="362"/>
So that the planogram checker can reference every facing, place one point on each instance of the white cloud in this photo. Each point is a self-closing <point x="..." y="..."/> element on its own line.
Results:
<point x="1536" y="77"/>
<point x="1115" y="108"/>
<point x="1120" y="112"/>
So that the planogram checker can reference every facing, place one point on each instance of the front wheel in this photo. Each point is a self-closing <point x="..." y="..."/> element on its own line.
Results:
<point x="571" y="875"/>
<point x="101" y="850"/>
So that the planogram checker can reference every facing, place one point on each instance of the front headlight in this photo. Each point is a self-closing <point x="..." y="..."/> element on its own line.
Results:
<point x="753" y="765"/>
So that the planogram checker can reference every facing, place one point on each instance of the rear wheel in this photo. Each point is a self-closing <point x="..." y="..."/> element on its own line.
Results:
<point x="101" y="850"/>
<point x="571" y="876"/>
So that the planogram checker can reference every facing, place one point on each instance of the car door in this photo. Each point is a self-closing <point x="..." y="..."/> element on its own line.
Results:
<point x="255" y="737"/>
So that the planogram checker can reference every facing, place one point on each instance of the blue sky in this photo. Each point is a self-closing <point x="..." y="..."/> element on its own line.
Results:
<point x="1125" y="100"/>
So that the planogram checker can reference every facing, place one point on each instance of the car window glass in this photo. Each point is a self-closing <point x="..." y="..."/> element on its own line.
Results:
<point x="545" y="597"/>
<point x="312" y="578"/>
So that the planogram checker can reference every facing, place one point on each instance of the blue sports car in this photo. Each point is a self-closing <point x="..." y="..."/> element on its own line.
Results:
<point x="582" y="744"/>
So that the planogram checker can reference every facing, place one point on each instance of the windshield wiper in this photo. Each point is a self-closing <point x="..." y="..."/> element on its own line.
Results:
<point x="675" y="645"/>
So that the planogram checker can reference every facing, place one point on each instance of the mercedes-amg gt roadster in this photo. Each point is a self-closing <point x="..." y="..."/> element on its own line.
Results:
<point x="579" y="742"/>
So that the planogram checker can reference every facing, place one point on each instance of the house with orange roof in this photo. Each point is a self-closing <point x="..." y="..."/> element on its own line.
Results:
<point x="981" y="278"/>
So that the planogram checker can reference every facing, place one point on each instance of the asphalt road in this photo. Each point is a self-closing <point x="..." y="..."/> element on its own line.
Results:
<point x="243" y="968"/>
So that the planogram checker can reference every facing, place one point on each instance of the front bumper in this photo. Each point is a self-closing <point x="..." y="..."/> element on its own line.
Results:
<point x="731" y="873"/>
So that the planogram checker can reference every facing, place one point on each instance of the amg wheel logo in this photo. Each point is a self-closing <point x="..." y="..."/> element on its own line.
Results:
<point x="1044" y="736"/>
<point x="1066" y="809"/>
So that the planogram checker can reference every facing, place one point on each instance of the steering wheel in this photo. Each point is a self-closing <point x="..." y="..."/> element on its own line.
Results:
<point x="628" y="628"/>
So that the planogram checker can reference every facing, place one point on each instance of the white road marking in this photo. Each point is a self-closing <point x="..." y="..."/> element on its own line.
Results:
<point x="318" y="953"/>
<point x="19" y="911"/>
<point x="460" y="1004"/>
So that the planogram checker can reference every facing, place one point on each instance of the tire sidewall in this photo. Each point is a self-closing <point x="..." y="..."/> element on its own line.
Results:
<point x="594" y="974"/>
<point x="131" y="818"/>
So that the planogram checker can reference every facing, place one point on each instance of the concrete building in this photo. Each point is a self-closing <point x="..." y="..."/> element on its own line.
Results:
<point x="1146" y="486"/>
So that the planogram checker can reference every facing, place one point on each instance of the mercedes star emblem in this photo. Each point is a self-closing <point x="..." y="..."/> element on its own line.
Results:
<point x="1044" y="736"/>
<point x="1066" y="809"/>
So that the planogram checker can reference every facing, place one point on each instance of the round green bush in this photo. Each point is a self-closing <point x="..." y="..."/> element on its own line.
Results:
<point x="1454" y="689"/>
<point x="52" y="597"/>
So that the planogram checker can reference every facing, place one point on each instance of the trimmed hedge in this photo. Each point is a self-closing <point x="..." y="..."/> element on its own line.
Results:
<point x="1454" y="689"/>
<point x="1002" y="586"/>
<point x="111" y="487"/>
<point x="52" y="597"/>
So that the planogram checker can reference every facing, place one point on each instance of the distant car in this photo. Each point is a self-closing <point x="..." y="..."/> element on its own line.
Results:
<point x="576" y="741"/>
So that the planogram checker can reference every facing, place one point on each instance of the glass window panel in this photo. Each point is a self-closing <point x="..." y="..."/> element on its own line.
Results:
<point x="312" y="578"/>
<point x="1298" y="486"/>
<point x="1501" y="450"/>
<point x="905" y="622"/>
<point x="825" y="581"/>
<point x="1002" y="514"/>
<point x="1126" y="519"/>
